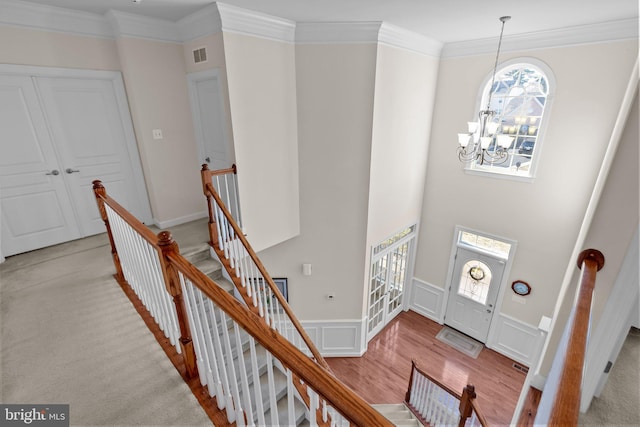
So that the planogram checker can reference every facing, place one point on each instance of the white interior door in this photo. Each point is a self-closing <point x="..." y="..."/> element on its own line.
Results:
<point x="473" y="292"/>
<point x="208" y="115"/>
<point x="85" y="122"/>
<point x="59" y="131"/>
<point x="387" y="286"/>
<point x="35" y="207"/>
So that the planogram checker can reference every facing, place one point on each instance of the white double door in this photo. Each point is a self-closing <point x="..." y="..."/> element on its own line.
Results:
<point x="58" y="133"/>
<point x="387" y="286"/>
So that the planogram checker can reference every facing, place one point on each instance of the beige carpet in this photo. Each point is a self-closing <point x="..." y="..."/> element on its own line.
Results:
<point x="619" y="402"/>
<point x="69" y="335"/>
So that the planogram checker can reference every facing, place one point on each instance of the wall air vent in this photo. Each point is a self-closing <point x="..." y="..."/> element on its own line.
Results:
<point x="200" y="55"/>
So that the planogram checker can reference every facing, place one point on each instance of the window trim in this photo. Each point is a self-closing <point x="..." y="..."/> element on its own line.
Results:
<point x="535" y="160"/>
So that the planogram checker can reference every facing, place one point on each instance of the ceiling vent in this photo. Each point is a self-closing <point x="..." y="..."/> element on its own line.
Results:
<point x="200" y="55"/>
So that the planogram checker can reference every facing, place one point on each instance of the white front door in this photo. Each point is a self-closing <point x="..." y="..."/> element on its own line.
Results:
<point x="34" y="203"/>
<point x="58" y="133"/>
<point x="208" y="116"/>
<point x="473" y="292"/>
<point x="387" y="286"/>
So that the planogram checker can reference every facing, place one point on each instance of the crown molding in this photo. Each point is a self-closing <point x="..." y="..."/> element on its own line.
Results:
<point x="626" y="29"/>
<point x="247" y="22"/>
<point x="199" y="24"/>
<point x="49" y="18"/>
<point x="404" y="39"/>
<point x="337" y="32"/>
<point x="137" y="26"/>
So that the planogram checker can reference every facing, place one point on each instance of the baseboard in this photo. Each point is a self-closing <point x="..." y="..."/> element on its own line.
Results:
<point x="336" y="338"/>
<point x="426" y="299"/>
<point x="163" y="225"/>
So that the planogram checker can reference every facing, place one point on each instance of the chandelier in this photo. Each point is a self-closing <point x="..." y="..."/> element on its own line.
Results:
<point x="483" y="143"/>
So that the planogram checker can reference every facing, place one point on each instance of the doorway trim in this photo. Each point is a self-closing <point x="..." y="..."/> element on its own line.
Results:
<point x="505" y="276"/>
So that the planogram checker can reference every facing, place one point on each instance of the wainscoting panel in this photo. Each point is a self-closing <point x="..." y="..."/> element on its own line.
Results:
<point x="337" y="338"/>
<point x="426" y="299"/>
<point x="517" y="340"/>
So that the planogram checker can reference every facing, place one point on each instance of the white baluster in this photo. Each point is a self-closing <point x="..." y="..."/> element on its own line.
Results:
<point x="242" y="368"/>
<point x="273" y="403"/>
<point x="291" y="413"/>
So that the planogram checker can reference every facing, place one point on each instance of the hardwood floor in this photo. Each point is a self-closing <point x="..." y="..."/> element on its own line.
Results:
<point x="381" y="375"/>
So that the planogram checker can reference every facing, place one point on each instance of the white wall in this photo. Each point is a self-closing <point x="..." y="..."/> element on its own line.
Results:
<point x="543" y="216"/>
<point x="155" y="77"/>
<point x="335" y="89"/>
<point x="50" y="49"/>
<point x="262" y="96"/>
<point x="405" y="85"/>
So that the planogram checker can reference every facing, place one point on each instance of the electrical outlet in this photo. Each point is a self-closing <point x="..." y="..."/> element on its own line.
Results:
<point x="157" y="134"/>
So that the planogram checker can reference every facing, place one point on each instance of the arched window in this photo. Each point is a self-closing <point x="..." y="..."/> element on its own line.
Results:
<point x="519" y="98"/>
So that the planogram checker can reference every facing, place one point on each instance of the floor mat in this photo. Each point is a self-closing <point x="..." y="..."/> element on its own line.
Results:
<point x="460" y="342"/>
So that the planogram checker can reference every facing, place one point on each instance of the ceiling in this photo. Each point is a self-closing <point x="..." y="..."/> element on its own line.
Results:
<point x="442" y="20"/>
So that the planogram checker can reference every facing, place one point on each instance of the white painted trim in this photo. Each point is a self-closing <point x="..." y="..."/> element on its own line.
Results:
<point x="516" y="340"/>
<point x="397" y="37"/>
<point x="626" y="29"/>
<point x="337" y="32"/>
<point x="50" y="18"/>
<point x="142" y="27"/>
<point x="242" y="21"/>
<point x="163" y="225"/>
<point x="431" y="305"/>
<point x="336" y="338"/>
<point x="199" y="24"/>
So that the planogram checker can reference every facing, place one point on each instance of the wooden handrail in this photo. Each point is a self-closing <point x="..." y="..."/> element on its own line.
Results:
<point x="479" y="414"/>
<point x="347" y="402"/>
<point x="467" y="398"/>
<point x="566" y="406"/>
<point x="211" y="192"/>
<point x="415" y="367"/>
<point x="205" y="168"/>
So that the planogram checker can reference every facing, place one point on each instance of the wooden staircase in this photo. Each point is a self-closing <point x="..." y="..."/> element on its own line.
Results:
<point x="200" y="257"/>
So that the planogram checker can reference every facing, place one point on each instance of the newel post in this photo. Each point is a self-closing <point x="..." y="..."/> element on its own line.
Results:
<point x="466" y="409"/>
<point x="206" y="178"/>
<point x="100" y="192"/>
<point x="172" y="282"/>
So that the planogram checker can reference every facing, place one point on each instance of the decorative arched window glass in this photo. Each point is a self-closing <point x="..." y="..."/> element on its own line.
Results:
<point x="519" y="97"/>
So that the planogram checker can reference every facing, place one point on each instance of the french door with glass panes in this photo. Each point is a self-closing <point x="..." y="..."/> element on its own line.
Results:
<point x="387" y="283"/>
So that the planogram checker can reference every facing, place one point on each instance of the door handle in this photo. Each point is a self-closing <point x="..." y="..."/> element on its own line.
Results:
<point x="53" y="172"/>
<point x="488" y="310"/>
<point x="69" y="170"/>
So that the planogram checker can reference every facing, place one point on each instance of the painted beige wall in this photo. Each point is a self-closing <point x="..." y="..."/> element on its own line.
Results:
<point x="405" y="86"/>
<point x="611" y="232"/>
<point x="155" y="78"/>
<point x="48" y="49"/>
<point x="262" y="97"/>
<point x="335" y="112"/>
<point x="543" y="216"/>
